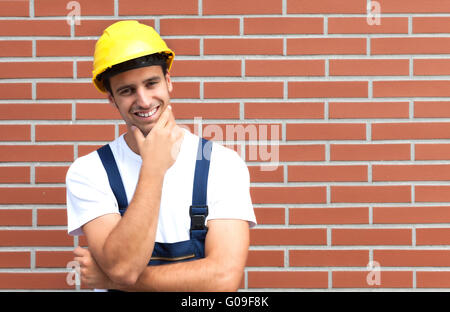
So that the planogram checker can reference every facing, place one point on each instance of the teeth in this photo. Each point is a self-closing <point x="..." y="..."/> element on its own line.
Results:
<point x="148" y="114"/>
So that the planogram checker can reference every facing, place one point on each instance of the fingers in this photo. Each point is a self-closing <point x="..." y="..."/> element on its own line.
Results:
<point x="80" y="252"/>
<point x="165" y="117"/>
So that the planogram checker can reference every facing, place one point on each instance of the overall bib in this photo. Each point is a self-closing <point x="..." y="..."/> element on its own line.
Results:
<point x="191" y="249"/>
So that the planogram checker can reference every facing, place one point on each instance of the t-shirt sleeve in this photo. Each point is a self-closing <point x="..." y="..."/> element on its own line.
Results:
<point x="229" y="187"/>
<point x="88" y="194"/>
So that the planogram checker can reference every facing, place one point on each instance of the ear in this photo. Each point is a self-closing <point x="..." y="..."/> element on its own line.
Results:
<point x="169" y="82"/>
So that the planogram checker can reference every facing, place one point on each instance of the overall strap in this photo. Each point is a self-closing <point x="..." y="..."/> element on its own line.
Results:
<point x="198" y="211"/>
<point x="115" y="181"/>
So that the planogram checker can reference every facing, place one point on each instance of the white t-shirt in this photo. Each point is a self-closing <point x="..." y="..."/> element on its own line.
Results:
<point x="89" y="194"/>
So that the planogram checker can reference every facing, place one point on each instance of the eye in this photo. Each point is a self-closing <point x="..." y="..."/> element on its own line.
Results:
<point x="125" y="92"/>
<point x="150" y="84"/>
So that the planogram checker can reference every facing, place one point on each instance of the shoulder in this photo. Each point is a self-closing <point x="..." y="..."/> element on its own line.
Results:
<point x="85" y="166"/>
<point x="227" y="161"/>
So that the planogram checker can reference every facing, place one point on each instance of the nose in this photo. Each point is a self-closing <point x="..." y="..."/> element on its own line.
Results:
<point x="143" y="98"/>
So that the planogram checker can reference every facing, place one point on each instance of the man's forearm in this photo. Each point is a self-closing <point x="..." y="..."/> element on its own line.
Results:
<point x="130" y="244"/>
<point x="196" y="275"/>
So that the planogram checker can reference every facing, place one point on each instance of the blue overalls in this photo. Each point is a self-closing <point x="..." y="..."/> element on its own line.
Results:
<point x="191" y="249"/>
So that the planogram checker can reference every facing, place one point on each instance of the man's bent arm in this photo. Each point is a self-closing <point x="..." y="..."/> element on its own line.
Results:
<point x="226" y="250"/>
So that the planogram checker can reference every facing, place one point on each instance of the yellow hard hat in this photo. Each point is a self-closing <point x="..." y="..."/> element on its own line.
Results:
<point x="124" y="41"/>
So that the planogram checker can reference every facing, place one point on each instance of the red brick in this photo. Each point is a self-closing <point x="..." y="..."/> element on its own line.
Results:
<point x="184" y="46"/>
<point x="410" y="130"/>
<point x="34" y="280"/>
<point x="74" y="132"/>
<point x="199" y="26"/>
<point x="328" y="258"/>
<point x="267" y="215"/>
<point x="432" y="109"/>
<point x="155" y="7"/>
<point x="327" y="89"/>
<point x="97" y="111"/>
<point x="14" y="259"/>
<point x="36" y="70"/>
<point x="432" y="151"/>
<point x="409" y="215"/>
<point x="53" y="259"/>
<point x="288" y="237"/>
<point x="51" y="217"/>
<point x="35" y="238"/>
<point x="84" y="69"/>
<point x="412" y="258"/>
<point x="368" y="67"/>
<point x="340" y="215"/>
<point x="410" y="45"/>
<point x="265" y="258"/>
<point x="433" y="279"/>
<point x="410" y="172"/>
<point x="36" y="153"/>
<point x="366" y="110"/>
<point x="15" y="217"/>
<point x="327" y="173"/>
<point x="68" y="90"/>
<point x="188" y="90"/>
<point x="35" y="195"/>
<point x="16" y="47"/>
<point x="325" y="46"/>
<point x="15" y="132"/>
<point x="326" y="6"/>
<point x="415" y="6"/>
<point x="14" y="8"/>
<point x="206" y="110"/>
<point x="349" y="152"/>
<point x="432" y="193"/>
<point x="258" y="174"/>
<point x="284" y="110"/>
<point x="58" y="8"/>
<point x="288" y="195"/>
<point x="206" y="68"/>
<point x="65" y="47"/>
<point x="325" y="131"/>
<point x="14" y="174"/>
<point x="242" y="132"/>
<point x="287" y="279"/>
<point x="358" y="279"/>
<point x="431" y="67"/>
<point x="35" y="111"/>
<point x="25" y="27"/>
<point x="243" y="46"/>
<point x="369" y="194"/>
<point x="411" y="88"/>
<point x="341" y="237"/>
<point x="96" y="27"/>
<point x="434" y="236"/>
<point x="218" y="7"/>
<point x="430" y="25"/>
<point x="359" y="25"/>
<point x="283" y="25"/>
<point x="249" y="89"/>
<point x="86" y="149"/>
<point x="289" y="152"/>
<point x="284" y="68"/>
<point x="51" y="174"/>
<point x="15" y="91"/>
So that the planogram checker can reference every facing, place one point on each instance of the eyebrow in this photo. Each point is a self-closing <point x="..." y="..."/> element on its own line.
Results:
<point x="151" y="79"/>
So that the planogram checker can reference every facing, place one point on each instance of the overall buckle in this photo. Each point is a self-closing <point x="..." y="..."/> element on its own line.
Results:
<point x="198" y="216"/>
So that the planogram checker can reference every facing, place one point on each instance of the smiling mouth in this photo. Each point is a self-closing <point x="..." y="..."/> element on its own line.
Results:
<point x="147" y="114"/>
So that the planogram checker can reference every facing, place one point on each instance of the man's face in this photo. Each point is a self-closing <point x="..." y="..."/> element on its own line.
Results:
<point x="141" y="95"/>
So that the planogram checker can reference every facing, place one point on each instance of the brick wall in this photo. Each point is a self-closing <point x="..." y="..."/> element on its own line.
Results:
<point x="359" y="111"/>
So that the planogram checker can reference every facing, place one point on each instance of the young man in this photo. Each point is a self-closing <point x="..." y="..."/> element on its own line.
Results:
<point x="162" y="209"/>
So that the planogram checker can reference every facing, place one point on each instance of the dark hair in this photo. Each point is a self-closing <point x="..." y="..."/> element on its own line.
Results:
<point x="159" y="59"/>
